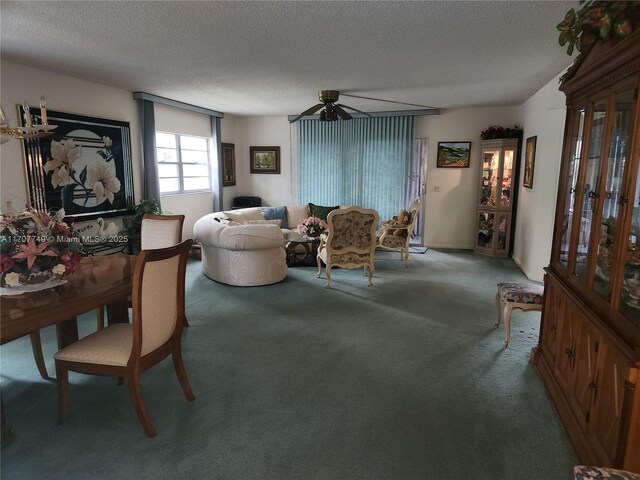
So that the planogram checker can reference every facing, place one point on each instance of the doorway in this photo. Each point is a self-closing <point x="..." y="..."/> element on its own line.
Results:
<point x="417" y="186"/>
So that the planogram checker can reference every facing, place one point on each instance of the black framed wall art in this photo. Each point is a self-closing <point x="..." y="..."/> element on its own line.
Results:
<point x="453" y="154"/>
<point x="84" y="167"/>
<point x="529" y="162"/>
<point x="264" y="159"/>
<point x="228" y="165"/>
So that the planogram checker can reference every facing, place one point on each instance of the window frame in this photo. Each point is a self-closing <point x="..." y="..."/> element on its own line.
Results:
<point x="179" y="163"/>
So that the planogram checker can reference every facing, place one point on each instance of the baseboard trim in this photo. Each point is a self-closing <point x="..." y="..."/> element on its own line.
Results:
<point x="524" y="270"/>
<point x="447" y="246"/>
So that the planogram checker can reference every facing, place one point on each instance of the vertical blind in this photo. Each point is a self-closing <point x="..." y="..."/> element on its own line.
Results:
<point x="364" y="162"/>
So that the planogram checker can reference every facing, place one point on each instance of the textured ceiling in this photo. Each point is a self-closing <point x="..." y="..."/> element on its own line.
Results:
<point x="271" y="58"/>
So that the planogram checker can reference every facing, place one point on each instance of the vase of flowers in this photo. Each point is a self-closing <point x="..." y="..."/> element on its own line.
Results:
<point x="313" y="227"/>
<point x="36" y="247"/>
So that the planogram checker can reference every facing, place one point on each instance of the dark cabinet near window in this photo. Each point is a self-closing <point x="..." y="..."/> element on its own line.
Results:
<point x="589" y="349"/>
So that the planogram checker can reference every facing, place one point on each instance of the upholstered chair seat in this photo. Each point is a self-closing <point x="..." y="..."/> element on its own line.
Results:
<point x="517" y="295"/>
<point x="109" y="346"/>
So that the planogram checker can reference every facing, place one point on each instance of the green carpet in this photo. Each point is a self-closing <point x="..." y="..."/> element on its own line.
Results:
<point x="403" y="380"/>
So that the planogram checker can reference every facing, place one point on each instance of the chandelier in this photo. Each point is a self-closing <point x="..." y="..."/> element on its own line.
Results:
<point x="30" y="130"/>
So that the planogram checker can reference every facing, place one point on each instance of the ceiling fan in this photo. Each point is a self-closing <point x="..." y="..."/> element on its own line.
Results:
<point x="331" y="110"/>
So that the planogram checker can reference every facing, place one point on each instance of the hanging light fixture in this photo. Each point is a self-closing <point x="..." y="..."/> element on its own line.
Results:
<point x="30" y="130"/>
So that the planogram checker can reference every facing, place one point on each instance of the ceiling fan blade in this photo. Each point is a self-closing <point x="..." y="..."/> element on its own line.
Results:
<point x="341" y="112"/>
<point x="308" y="111"/>
<point x="388" y="101"/>
<point x="351" y="108"/>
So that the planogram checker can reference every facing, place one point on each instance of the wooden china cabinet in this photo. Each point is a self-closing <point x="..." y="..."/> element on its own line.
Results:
<point x="589" y="348"/>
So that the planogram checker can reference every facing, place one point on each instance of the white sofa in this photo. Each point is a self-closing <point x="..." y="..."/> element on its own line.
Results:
<point x="245" y="254"/>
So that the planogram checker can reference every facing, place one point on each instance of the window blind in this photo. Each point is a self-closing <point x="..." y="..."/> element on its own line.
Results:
<point x="364" y="162"/>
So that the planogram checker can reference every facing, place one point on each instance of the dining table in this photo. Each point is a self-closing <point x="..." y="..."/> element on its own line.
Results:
<point x="97" y="281"/>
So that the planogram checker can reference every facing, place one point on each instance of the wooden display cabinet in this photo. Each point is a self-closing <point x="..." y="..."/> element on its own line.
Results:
<point x="493" y="229"/>
<point x="589" y="348"/>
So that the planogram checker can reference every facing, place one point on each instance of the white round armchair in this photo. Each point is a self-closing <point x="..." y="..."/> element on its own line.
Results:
<point x="241" y="255"/>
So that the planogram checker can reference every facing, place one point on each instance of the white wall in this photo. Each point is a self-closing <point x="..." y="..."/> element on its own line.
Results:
<point x="275" y="190"/>
<point x="66" y="94"/>
<point x="450" y="217"/>
<point x="542" y="115"/>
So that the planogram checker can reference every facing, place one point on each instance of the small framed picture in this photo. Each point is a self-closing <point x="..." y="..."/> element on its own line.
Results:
<point x="265" y="159"/>
<point x="453" y="154"/>
<point x="228" y="164"/>
<point x="529" y="162"/>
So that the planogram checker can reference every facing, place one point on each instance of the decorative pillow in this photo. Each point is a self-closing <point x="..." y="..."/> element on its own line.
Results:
<point x="275" y="221"/>
<point x="296" y="214"/>
<point x="276" y="213"/>
<point x="244" y="214"/>
<point x="320" y="211"/>
<point x="403" y="218"/>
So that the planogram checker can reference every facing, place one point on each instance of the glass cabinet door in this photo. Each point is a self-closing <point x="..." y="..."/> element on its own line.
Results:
<point x="505" y="184"/>
<point x="590" y="195"/>
<point x="502" y="232"/>
<point x="571" y="190"/>
<point x="620" y="148"/>
<point x="490" y="170"/>
<point x="485" y="230"/>
<point x="610" y="204"/>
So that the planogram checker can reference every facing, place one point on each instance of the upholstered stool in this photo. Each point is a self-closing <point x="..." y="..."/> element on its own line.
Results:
<point x="523" y="296"/>
<point x="582" y="472"/>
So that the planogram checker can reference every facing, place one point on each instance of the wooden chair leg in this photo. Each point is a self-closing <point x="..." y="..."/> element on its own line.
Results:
<point x="62" y="376"/>
<point x="36" y="346"/>
<point x="138" y="403"/>
<point x="178" y="366"/>
<point x="498" y="307"/>
<point x="507" y="323"/>
<point x="328" y="269"/>
<point x="185" y="322"/>
<point x="99" y="318"/>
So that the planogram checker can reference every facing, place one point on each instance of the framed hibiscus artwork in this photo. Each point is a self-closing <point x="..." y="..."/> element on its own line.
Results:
<point x="84" y="167"/>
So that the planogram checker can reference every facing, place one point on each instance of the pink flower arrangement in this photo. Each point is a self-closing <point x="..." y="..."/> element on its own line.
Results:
<point x="313" y="227"/>
<point x="34" y="246"/>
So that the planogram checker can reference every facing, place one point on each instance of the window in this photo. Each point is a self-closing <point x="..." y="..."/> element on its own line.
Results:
<point x="183" y="163"/>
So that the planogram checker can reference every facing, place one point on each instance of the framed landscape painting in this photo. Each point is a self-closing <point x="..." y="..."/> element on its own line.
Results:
<point x="228" y="165"/>
<point x="265" y="159"/>
<point x="453" y="154"/>
<point x="84" y="167"/>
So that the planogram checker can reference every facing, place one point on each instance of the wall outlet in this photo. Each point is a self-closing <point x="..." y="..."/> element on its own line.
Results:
<point x="436" y="188"/>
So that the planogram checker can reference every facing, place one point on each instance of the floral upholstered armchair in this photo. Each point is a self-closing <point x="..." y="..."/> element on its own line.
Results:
<point x="351" y="241"/>
<point x="395" y="234"/>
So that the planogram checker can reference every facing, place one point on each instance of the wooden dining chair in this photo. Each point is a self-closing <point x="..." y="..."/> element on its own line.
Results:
<point x="126" y="350"/>
<point x="157" y="231"/>
<point x="160" y="231"/>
